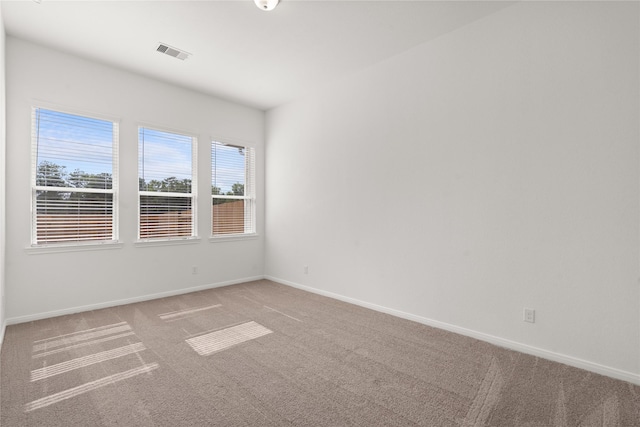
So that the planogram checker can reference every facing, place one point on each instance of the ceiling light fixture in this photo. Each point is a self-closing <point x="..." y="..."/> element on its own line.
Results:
<point x="266" y="4"/>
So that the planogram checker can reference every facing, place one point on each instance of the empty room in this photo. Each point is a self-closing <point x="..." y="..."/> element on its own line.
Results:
<point x="319" y="213"/>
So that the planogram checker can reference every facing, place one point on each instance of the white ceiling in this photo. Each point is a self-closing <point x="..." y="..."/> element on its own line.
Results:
<point x="261" y="59"/>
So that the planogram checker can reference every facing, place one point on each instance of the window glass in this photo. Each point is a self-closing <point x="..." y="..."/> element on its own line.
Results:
<point x="232" y="189"/>
<point x="74" y="172"/>
<point x="166" y="184"/>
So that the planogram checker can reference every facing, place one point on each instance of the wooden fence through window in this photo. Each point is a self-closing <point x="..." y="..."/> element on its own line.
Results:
<point x="227" y="218"/>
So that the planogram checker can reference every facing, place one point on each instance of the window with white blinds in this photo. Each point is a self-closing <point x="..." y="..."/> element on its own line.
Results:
<point x="232" y="189"/>
<point x="167" y="185"/>
<point x="73" y="179"/>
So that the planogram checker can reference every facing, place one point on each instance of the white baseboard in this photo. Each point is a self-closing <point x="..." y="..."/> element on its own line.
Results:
<point x="512" y="345"/>
<point x="501" y="342"/>
<point x="80" y="309"/>
<point x="3" y="328"/>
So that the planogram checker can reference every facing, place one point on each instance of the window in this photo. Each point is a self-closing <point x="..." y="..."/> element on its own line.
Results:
<point x="73" y="179"/>
<point x="232" y="189"/>
<point x="167" y="185"/>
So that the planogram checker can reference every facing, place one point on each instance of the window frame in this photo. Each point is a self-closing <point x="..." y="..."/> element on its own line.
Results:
<point x="249" y="197"/>
<point x="73" y="245"/>
<point x="164" y="240"/>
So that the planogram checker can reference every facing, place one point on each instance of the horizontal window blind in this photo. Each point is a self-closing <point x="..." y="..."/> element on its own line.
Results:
<point x="74" y="171"/>
<point x="232" y="189"/>
<point x="167" y="190"/>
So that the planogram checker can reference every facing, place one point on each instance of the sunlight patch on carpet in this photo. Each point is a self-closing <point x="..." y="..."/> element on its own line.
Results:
<point x="84" y="388"/>
<point x="279" y="312"/>
<point x="83" y="344"/>
<point x="220" y="340"/>
<point x="81" y="362"/>
<point x="180" y="313"/>
<point x="68" y="339"/>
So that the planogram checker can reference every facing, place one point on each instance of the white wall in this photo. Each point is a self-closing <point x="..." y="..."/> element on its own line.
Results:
<point x="2" y="177"/>
<point x="40" y="285"/>
<point x="492" y="169"/>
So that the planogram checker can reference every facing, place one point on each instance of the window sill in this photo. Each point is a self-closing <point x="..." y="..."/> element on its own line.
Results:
<point x="73" y="247"/>
<point x="233" y="237"/>
<point x="166" y="242"/>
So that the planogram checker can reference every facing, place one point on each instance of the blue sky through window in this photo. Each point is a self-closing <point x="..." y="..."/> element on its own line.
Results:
<point x="86" y="144"/>
<point x="228" y="163"/>
<point x="164" y="155"/>
<point x="75" y="142"/>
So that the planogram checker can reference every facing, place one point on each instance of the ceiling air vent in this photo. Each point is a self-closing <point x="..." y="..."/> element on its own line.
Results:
<point x="172" y="51"/>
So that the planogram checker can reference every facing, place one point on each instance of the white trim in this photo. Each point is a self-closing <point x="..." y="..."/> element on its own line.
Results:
<point x="249" y="197"/>
<point x="193" y="194"/>
<point x="238" y="142"/>
<point x="73" y="189"/>
<point x="166" y="193"/>
<point x="194" y="187"/>
<point x="167" y="129"/>
<point x="74" y="246"/>
<point x="233" y="237"/>
<point x="114" y="303"/>
<point x="115" y="182"/>
<point x="62" y="108"/>
<point x="501" y="342"/>
<point x="115" y="170"/>
<point x="3" y="328"/>
<point x="222" y="196"/>
<point x="161" y="241"/>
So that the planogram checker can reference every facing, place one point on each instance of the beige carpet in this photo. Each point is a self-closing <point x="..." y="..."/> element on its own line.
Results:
<point x="263" y="354"/>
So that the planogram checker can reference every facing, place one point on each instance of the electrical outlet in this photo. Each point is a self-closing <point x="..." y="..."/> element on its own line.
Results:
<point x="529" y="315"/>
<point x="194" y="269"/>
<point x="306" y="269"/>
